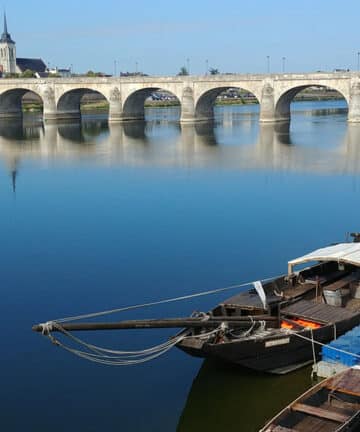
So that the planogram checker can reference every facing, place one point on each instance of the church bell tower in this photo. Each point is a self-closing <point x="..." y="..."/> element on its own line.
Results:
<point x="7" y="51"/>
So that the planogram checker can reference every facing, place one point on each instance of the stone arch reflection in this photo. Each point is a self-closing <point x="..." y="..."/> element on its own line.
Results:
<point x="83" y="132"/>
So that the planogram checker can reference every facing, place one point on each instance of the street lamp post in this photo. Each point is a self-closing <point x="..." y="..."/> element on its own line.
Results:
<point x="283" y="64"/>
<point x="206" y="67"/>
<point x="115" y="71"/>
<point x="268" y="63"/>
<point x="358" y="60"/>
<point x="188" y="65"/>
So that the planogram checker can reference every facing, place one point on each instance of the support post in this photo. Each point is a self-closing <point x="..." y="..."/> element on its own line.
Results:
<point x="187" y="106"/>
<point x="267" y="104"/>
<point x="354" y="103"/>
<point x="115" y="106"/>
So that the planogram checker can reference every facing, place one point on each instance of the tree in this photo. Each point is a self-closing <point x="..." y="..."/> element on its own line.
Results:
<point x="28" y="74"/>
<point x="183" y="71"/>
<point x="214" y="71"/>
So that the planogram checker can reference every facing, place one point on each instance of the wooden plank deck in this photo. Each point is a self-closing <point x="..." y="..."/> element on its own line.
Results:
<point x="348" y="383"/>
<point x="320" y="312"/>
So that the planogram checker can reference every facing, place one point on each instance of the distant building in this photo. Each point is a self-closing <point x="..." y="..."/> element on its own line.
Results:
<point x="9" y="64"/>
<point x="63" y="73"/>
<point x="7" y="51"/>
<point x="35" y="65"/>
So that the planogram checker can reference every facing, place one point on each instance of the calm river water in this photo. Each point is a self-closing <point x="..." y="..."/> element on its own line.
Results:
<point x="94" y="218"/>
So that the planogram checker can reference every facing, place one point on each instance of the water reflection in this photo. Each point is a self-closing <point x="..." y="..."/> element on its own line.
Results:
<point x="225" y="397"/>
<point x="242" y="144"/>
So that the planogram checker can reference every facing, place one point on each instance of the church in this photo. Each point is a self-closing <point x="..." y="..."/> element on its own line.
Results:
<point x="10" y="64"/>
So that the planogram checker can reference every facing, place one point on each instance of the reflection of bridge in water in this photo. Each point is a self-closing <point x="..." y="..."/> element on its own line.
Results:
<point x="189" y="145"/>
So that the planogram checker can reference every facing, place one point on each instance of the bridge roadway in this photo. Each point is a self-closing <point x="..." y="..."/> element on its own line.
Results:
<point x="126" y="95"/>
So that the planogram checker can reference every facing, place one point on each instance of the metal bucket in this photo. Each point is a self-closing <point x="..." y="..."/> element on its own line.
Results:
<point x="333" y="298"/>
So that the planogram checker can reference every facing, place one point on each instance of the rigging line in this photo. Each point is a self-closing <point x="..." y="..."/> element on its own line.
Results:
<point x="154" y="303"/>
<point x="118" y="358"/>
<point x="109" y="362"/>
<point x="100" y="350"/>
<point x="323" y="344"/>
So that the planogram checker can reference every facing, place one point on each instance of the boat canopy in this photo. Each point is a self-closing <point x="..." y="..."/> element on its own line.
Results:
<point x="341" y="252"/>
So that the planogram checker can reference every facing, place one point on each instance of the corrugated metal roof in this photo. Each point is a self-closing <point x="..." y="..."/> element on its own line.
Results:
<point x="342" y="252"/>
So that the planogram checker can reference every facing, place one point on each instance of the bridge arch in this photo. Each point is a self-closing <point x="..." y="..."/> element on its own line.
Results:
<point x="283" y="102"/>
<point x="69" y="103"/>
<point x="11" y="101"/>
<point x="204" y="105"/>
<point x="134" y="104"/>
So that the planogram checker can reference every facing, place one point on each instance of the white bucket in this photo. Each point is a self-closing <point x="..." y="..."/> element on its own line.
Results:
<point x="355" y="289"/>
<point x="333" y="298"/>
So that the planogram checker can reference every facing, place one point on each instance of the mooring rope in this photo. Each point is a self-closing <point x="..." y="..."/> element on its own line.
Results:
<point x="313" y="341"/>
<point x="159" y="302"/>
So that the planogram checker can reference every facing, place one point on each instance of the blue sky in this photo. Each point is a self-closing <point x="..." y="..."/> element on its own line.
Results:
<point x="159" y="36"/>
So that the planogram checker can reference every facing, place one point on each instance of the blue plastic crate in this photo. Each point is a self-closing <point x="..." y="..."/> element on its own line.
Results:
<point x="349" y="342"/>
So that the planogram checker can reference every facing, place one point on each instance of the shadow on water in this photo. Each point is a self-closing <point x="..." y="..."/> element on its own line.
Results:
<point x="282" y="131"/>
<point x="18" y="129"/>
<point x="225" y="397"/>
<point x="84" y="131"/>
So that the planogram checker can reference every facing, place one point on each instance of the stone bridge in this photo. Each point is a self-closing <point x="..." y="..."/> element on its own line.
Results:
<point x="196" y="94"/>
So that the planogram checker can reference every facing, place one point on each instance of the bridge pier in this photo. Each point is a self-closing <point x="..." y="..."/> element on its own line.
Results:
<point x="268" y="113"/>
<point x="187" y="106"/>
<point x="354" y="104"/>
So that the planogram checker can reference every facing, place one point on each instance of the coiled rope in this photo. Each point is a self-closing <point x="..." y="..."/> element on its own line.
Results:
<point x="113" y="357"/>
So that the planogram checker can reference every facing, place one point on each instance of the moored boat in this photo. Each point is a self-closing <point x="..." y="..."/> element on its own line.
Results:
<point x="333" y="405"/>
<point x="311" y="306"/>
<point x="276" y="326"/>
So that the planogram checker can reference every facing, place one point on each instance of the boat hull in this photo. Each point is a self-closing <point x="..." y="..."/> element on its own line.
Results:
<point x="279" y="354"/>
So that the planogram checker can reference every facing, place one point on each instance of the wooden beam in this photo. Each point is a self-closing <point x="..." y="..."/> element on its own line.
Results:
<point x="320" y="412"/>
<point x="212" y="322"/>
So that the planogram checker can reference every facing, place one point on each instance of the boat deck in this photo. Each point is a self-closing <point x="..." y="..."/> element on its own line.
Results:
<point x="348" y="383"/>
<point x="318" y="312"/>
<point x="249" y="300"/>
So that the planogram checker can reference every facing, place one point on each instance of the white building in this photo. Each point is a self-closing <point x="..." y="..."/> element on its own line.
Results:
<point x="9" y="63"/>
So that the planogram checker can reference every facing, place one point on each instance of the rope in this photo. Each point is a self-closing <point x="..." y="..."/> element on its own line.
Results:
<point x="159" y="302"/>
<point x="116" y="357"/>
<point x="322" y="344"/>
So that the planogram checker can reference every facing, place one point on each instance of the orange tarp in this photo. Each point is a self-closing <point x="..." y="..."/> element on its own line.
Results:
<point x="300" y="322"/>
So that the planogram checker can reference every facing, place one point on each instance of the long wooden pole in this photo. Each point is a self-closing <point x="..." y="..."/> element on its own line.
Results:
<point x="213" y="322"/>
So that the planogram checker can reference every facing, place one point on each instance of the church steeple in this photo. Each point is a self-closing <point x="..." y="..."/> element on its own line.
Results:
<point x="7" y="51"/>
<point x="5" y="37"/>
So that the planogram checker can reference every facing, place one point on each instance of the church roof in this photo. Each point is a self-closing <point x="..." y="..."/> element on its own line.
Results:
<point x="5" y="37"/>
<point x="35" y="65"/>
